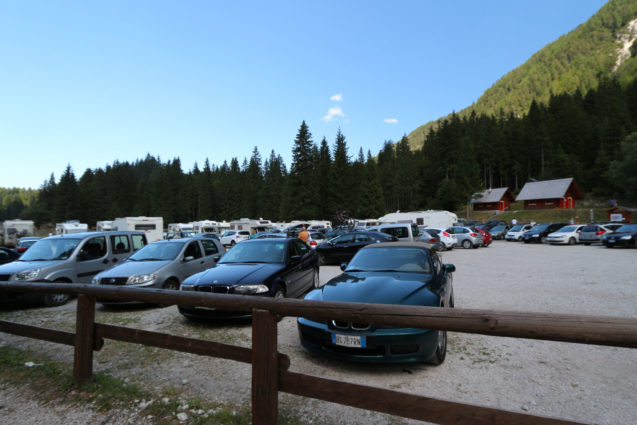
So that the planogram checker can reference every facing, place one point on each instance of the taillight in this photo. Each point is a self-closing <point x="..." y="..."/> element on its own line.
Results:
<point x="475" y="235"/>
<point x="21" y="250"/>
<point x="600" y="232"/>
<point x="432" y="240"/>
<point x="313" y="243"/>
<point x="445" y="234"/>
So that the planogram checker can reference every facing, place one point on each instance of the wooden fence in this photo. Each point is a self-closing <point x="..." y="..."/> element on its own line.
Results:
<point x="270" y="372"/>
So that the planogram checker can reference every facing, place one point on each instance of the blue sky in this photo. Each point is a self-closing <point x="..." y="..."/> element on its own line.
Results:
<point x="87" y="83"/>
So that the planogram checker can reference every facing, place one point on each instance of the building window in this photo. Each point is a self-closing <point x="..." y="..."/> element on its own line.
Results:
<point x="549" y="202"/>
<point x="531" y="203"/>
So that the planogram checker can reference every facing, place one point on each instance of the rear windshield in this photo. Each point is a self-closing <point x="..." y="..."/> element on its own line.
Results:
<point x="589" y="229"/>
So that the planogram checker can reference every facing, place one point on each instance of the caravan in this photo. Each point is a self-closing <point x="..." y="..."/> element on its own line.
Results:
<point x="153" y="227"/>
<point x="430" y="218"/>
<point x="104" y="226"/>
<point x="206" y="226"/>
<point x="71" y="226"/>
<point x="13" y="230"/>
<point x="252" y="226"/>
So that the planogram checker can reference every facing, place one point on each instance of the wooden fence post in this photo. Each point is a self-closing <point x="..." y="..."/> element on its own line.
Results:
<point x="265" y="382"/>
<point x="84" y="339"/>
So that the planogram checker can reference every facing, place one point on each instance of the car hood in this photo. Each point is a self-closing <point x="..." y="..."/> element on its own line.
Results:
<point x="130" y="268"/>
<point x="19" y="266"/>
<point x="378" y="288"/>
<point x="236" y="273"/>
<point x="619" y="235"/>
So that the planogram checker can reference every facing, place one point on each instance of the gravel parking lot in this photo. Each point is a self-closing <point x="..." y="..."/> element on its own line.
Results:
<point x="571" y="381"/>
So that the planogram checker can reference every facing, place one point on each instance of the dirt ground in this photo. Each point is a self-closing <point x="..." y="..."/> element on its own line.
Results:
<point x="571" y="381"/>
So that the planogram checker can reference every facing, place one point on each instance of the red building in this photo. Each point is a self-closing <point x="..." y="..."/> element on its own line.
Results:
<point x="620" y="214"/>
<point x="493" y="200"/>
<point x="548" y="194"/>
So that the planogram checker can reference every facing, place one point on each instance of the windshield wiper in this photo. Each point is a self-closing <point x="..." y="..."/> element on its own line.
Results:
<point x="37" y="259"/>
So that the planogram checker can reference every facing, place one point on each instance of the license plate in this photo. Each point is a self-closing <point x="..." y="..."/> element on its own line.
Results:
<point x="348" y="340"/>
<point x="611" y="241"/>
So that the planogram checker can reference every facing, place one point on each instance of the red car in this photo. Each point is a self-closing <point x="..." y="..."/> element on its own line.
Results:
<point x="486" y="236"/>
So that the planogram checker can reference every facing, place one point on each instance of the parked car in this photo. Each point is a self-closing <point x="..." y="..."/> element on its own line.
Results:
<point x="316" y="238"/>
<point x="163" y="264"/>
<point x="270" y="235"/>
<point x="8" y="255"/>
<point x="406" y="232"/>
<point x="593" y="233"/>
<point x="342" y="248"/>
<point x="400" y="273"/>
<point x="209" y="235"/>
<point x="486" y="236"/>
<point x="516" y="232"/>
<point x="539" y="233"/>
<point x="623" y="236"/>
<point x="448" y="240"/>
<point x="261" y="267"/>
<point x="233" y="237"/>
<point x="566" y="235"/>
<point x="467" y="237"/>
<point x="499" y="231"/>
<point x="432" y="239"/>
<point x="25" y="243"/>
<point x="70" y="258"/>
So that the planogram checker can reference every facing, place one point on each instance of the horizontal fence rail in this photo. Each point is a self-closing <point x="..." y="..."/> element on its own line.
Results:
<point x="270" y="372"/>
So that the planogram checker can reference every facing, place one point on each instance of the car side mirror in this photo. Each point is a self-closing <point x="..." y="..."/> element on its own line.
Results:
<point x="189" y="258"/>
<point x="295" y="258"/>
<point x="343" y="266"/>
<point x="450" y="268"/>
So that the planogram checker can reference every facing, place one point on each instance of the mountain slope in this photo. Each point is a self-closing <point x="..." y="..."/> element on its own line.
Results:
<point x="572" y="62"/>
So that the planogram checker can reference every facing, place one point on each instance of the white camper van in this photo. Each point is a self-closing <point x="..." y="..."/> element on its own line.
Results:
<point x="430" y="218"/>
<point x="13" y="230"/>
<point x="71" y="226"/>
<point x="208" y="226"/>
<point x="153" y="227"/>
<point x="104" y="225"/>
<point x="253" y="226"/>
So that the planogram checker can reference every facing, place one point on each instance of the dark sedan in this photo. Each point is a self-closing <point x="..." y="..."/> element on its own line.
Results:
<point x="7" y="255"/>
<point x="404" y="273"/>
<point x="623" y="236"/>
<point x="342" y="248"/>
<point x="262" y="267"/>
<point x="540" y="232"/>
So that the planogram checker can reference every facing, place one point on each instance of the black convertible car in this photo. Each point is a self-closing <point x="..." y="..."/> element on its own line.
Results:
<point x="403" y="273"/>
<point x="262" y="267"/>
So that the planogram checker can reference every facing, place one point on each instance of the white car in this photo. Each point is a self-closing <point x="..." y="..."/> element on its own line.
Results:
<point x="566" y="235"/>
<point x="449" y="240"/>
<point x="515" y="234"/>
<point x="233" y="237"/>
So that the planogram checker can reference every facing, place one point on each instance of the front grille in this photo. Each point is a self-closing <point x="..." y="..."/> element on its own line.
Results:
<point x="215" y="289"/>
<point x="113" y="281"/>
<point x="4" y="277"/>
<point x="351" y="325"/>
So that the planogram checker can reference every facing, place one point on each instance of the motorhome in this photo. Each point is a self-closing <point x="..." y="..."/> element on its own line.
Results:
<point x="153" y="227"/>
<point x="104" y="225"/>
<point x="205" y="226"/>
<point x="13" y="230"/>
<point x="70" y="226"/>
<point x="430" y="218"/>
<point x="364" y="224"/>
<point x="253" y="226"/>
<point x="181" y="227"/>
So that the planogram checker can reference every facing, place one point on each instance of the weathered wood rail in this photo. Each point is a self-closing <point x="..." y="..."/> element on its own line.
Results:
<point x="270" y="372"/>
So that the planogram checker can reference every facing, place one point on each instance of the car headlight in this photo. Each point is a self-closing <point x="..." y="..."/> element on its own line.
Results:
<point x="142" y="278"/>
<point x="250" y="289"/>
<point x="626" y="238"/>
<point x="535" y="236"/>
<point x="27" y="275"/>
<point x="186" y="287"/>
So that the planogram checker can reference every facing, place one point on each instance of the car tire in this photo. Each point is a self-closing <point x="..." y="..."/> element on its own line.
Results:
<point x="316" y="282"/>
<point x="55" y="300"/>
<point x="572" y="241"/>
<point x="466" y="244"/>
<point x="232" y="243"/>
<point x="441" y="349"/>
<point x="543" y="239"/>
<point x="171" y="284"/>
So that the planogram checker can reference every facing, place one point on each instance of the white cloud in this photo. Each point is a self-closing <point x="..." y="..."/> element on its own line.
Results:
<point x="338" y="97"/>
<point x="333" y="112"/>
<point x="391" y="120"/>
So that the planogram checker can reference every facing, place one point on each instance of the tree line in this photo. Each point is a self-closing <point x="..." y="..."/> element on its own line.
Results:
<point x="585" y="136"/>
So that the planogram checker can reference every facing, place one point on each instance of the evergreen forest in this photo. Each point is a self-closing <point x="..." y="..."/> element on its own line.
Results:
<point x="586" y="136"/>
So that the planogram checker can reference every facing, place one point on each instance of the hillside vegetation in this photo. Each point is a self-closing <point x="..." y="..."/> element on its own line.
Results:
<point x="572" y="63"/>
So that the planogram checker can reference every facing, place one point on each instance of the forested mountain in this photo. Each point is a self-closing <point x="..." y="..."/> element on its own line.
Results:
<point x="573" y="63"/>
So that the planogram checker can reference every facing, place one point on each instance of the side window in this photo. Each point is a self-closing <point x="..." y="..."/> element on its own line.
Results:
<point x="451" y="230"/>
<point x="193" y="250"/>
<point x="401" y="232"/>
<point x="138" y="241"/>
<point x="209" y="247"/>
<point x="362" y="238"/>
<point x="342" y="240"/>
<point x="301" y="248"/>
<point x="4" y="255"/>
<point x="436" y="263"/>
<point x="120" y="244"/>
<point x="93" y="248"/>
<point x="415" y="231"/>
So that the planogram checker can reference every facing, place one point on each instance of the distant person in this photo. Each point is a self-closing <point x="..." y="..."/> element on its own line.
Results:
<point x="304" y="235"/>
<point x="514" y="221"/>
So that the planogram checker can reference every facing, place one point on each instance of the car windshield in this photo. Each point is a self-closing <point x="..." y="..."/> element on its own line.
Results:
<point x="630" y="228"/>
<point x="517" y="228"/>
<point x="228" y="233"/>
<point x="589" y="229"/>
<point x="539" y="228"/>
<point x="567" y="229"/>
<point x="164" y="251"/>
<point x="256" y="251"/>
<point x="50" y="249"/>
<point x="399" y="259"/>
